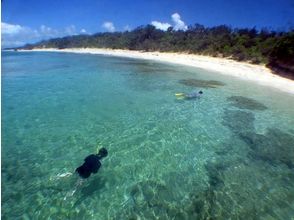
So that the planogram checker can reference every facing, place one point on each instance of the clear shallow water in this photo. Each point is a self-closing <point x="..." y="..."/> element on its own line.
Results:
<point x="219" y="157"/>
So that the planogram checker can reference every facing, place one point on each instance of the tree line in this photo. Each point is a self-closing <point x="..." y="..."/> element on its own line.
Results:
<point x="273" y="48"/>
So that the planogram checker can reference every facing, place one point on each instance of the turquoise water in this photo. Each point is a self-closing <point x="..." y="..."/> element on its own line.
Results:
<point x="227" y="155"/>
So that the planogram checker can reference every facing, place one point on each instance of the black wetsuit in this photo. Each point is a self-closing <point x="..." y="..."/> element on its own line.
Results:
<point x="91" y="164"/>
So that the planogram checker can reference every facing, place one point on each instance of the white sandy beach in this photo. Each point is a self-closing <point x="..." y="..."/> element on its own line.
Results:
<point x="256" y="73"/>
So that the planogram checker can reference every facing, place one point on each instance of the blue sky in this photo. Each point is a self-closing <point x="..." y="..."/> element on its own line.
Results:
<point x="32" y="20"/>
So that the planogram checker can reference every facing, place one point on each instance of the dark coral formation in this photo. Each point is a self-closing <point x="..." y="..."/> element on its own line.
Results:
<point x="238" y="189"/>
<point x="234" y="176"/>
<point x="213" y="202"/>
<point x="239" y="121"/>
<point x="239" y="175"/>
<point x="214" y="171"/>
<point x="204" y="204"/>
<point x="201" y="204"/>
<point x="150" y="199"/>
<point x="246" y="103"/>
<point x="275" y="146"/>
<point x="201" y="83"/>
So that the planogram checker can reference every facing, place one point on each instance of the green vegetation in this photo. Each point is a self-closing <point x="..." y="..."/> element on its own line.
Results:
<point x="276" y="49"/>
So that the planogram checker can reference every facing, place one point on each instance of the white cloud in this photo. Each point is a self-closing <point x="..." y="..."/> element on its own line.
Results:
<point x="160" y="25"/>
<point x="178" y="23"/>
<point x="10" y="28"/>
<point x="14" y="30"/>
<point x="14" y="35"/>
<point x="83" y="31"/>
<point x="108" y="26"/>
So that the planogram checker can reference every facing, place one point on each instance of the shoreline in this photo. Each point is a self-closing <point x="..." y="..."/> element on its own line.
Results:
<point x="245" y="71"/>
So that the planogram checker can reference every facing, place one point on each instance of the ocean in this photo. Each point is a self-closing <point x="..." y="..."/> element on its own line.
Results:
<point x="228" y="154"/>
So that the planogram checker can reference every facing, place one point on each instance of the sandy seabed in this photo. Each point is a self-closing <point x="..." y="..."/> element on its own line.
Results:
<point x="256" y="73"/>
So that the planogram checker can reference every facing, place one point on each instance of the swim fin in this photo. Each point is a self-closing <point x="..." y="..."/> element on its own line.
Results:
<point x="180" y="96"/>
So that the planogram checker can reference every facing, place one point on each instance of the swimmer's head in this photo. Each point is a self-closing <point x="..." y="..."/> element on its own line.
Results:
<point x="102" y="152"/>
<point x="200" y="92"/>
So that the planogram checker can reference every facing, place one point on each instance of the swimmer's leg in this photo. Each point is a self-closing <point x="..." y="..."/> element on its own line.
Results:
<point x="78" y="184"/>
<point x="60" y="175"/>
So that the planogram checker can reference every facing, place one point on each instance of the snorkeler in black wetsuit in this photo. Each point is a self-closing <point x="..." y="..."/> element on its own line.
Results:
<point x="91" y="164"/>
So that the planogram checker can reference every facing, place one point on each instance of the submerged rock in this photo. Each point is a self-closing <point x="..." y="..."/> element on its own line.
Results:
<point x="201" y="204"/>
<point x="151" y="200"/>
<point x="274" y="146"/>
<point x="238" y="121"/>
<point x="237" y="188"/>
<point x="214" y="171"/>
<point x="201" y="83"/>
<point x="239" y="180"/>
<point x="246" y="103"/>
